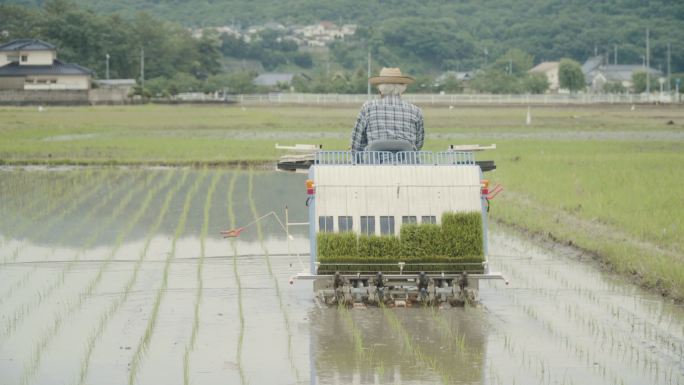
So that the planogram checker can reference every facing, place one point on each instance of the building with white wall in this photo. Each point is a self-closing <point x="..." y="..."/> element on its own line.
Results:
<point x="29" y="64"/>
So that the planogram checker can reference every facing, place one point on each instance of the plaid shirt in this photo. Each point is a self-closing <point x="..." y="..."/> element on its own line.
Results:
<point x="388" y="118"/>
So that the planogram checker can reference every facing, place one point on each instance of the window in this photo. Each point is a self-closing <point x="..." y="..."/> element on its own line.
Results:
<point x="11" y="58"/>
<point x="325" y="224"/>
<point x="428" y="219"/>
<point x="24" y="58"/>
<point x="344" y="223"/>
<point x="410" y="219"/>
<point x="386" y="225"/>
<point x="367" y="225"/>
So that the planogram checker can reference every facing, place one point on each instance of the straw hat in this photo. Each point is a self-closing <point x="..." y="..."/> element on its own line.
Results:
<point x="390" y="76"/>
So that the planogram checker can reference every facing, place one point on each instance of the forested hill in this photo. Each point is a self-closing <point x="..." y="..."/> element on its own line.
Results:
<point x="453" y="33"/>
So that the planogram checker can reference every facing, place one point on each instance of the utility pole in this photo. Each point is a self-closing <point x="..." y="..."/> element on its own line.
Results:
<point x="142" y="67"/>
<point x="648" y="62"/>
<point x="107" y="70"/>
<point x="669" y="72"/>
<point x="369" y="72"/>
<point x="615" y="54"/>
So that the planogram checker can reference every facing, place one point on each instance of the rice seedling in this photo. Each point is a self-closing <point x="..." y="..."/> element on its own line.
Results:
<point x="31" y="201"/>
<point x="363" y="353"/>
<point x="409" y="348"/>
<point x="19" y="316"/>
<point x="200" y="281"/>
<point x="283" y="310"/>
<point x="452" y="335"/>
<point x="136" y="361"/>
<point x="74" y="229"/>
<point x="20" y="223"/>
<point x="236" y="274"/>
<point x="118" y="302"/>
<point x="76" y="200"/>
<point x="587" y="316"/>
<point x="74" y="306"/>
<point x="456" y="245"/>
<point x="55" y="199"/>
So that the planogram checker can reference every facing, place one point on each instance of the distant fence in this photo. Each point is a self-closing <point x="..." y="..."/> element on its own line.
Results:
<point x="458" y="99"/>
<point x="64" y="97"/>
<point x="20" y="98"/>
<point x="119" y="96"/>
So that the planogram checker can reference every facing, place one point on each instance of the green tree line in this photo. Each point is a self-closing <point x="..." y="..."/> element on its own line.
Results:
<point x="84" y="37"/>
<point x="440" y="35"/>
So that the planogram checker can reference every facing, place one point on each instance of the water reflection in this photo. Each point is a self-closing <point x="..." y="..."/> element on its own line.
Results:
<point x="398" y="346"/>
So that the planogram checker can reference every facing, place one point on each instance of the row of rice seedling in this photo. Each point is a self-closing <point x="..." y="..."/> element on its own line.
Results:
<point x="26" y="309"/>
<point x="74" y="306"/>
<point x="35" y="195"/>
<point x="588" y="324"/>
<point x="56" y="198"/>
<point x="74" y="229"/>
<point x="414" y="350"/>
<point x="236" y="274"/>
<point x="123" y="296"/>
<point x="40" y="207"/>
<point x="363" y="353"/>
<point x="267" y="257"/>
<point x="455" y="245"/>
<point x="452" y="334"/>
<point x="145" y="339"/>
<point x="76" y="200"/>
<point x="200" y="279"/>
<point x="615" y="342"/>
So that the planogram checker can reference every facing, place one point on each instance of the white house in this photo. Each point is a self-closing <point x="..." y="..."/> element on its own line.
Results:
<point x="29" y="64"/>
<point x="550" y="69"/>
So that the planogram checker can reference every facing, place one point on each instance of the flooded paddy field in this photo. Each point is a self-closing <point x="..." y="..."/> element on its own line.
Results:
<point x="120" y="276"/>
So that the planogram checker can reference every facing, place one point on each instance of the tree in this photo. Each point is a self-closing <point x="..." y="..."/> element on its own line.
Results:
<point x="639" y="82"/>
<point x="495" y="81"/>
<point x="614" y="88"/>
<point x="514" y="61"/>
<point x="452" y="85"/>
<point x="535" y="83"/>
<point x="570" y="75"/>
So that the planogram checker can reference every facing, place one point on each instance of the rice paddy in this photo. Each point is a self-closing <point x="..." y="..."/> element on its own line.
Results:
<point x="121" y="276"/>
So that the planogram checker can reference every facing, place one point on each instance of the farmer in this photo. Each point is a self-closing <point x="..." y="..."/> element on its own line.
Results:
<point x="389" y="123"/>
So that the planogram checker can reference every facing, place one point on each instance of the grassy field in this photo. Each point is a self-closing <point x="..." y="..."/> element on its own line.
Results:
<point x="606" y="178"/>
<point x="223" y="135"/>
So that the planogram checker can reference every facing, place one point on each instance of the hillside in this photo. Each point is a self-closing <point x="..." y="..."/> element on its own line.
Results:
<point x="450" y="34"/>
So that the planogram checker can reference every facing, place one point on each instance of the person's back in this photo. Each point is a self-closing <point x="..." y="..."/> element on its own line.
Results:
<point x="389" y="118"/>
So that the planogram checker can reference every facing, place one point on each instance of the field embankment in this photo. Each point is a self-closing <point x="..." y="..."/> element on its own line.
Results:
<point x="604" y="178"/>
